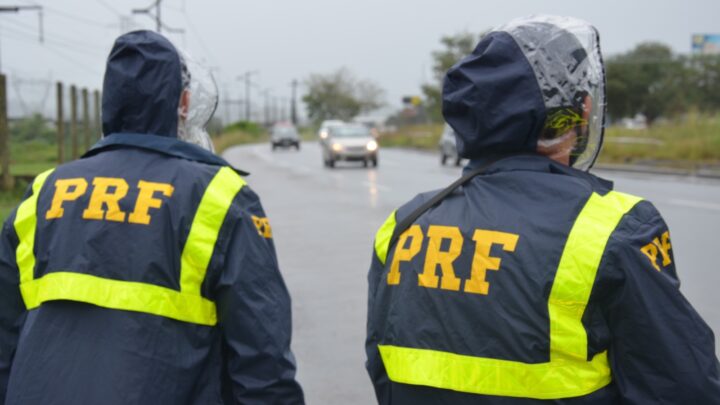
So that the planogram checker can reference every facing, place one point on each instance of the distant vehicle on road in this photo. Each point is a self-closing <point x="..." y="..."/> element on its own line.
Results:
<point x="349" y="142"/>
<point x="284" y="136"/>
<point x="325" y="128"/>
<point x="448" y="146"/>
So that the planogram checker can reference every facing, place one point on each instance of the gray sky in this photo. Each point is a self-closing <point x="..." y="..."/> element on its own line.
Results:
<point x="387" y="41"/>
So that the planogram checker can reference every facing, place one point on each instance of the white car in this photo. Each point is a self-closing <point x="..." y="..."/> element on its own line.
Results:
<point x="349" y="142"/>
<point x="325" y="128"/>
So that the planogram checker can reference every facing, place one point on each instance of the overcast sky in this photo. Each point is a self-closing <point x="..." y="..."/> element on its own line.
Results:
<point x="386" y="41"/>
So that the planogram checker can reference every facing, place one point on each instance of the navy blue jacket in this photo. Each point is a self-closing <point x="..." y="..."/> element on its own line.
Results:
<point x="68" y="352"/>
<point x="659" y="349"/>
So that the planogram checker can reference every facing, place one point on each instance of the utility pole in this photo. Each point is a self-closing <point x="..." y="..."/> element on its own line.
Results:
<point x="86" y="118"/>
<point x="98" y="124"/>
<point x="146" y="10"/>
<point x="73" y="121"/>
<point x="283" y="108"/>
<point x="266" y="106"/>
<point x="60" y="124"/>
<point x="293" y="108"/>
<point x="229" y="102"/>
<point x="16" y="9"/>
<point x="246" y="76"/>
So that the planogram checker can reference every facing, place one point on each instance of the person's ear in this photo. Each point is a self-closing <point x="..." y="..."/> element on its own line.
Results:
<point x="184" y="104"/>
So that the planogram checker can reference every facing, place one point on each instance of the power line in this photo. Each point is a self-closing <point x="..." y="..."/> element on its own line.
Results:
<point x="57" y="38"/>
<point x="74" y="17"/>
<point x="109" y="7"/>
<point x="200" y="40"/>
<point x="59" y="53"/>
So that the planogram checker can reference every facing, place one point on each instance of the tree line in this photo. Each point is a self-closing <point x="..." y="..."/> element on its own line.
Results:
<point x="649" y="79"/>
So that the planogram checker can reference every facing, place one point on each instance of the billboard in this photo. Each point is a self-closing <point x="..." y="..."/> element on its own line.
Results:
<point x="706" y="44"/>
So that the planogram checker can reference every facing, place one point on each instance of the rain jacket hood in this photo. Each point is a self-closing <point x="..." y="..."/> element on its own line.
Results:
<point x="527" y="81"/>
<point x="142" y="86"/>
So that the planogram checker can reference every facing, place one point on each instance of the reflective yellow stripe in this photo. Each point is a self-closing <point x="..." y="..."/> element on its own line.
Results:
<point x="115" y="294"/>
<point x="187" y="305"/>
<point x="478" y="375"/>
<point x="205" y="228"/>
<point x="577" y="270"/>
<point x="382" y="237"/>
<point x="25" y="225"/>
<point x="568" y="373"/>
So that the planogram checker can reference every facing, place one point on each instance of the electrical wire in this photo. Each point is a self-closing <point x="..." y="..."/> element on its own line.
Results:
<point x="109" y="7"/>
<point x="17" y="35"/>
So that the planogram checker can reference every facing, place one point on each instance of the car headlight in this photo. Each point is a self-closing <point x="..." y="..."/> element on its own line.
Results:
<point x="372" y="146"/>
<point x="337" y="147"/>
<point x="323" y="134"/>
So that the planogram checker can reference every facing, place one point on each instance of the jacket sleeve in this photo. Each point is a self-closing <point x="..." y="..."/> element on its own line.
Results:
<point x="376" y="312"/>
<point x="12" y="308"/>
<point x="661" y="350"/>
<point x="254" y="312"/>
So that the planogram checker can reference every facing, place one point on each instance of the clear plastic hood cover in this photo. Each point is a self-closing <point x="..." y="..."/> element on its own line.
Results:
<point x="203" y="91"/>
<point x="564" y="53"/>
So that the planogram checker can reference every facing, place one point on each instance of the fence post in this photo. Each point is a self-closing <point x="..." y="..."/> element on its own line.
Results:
<point x="73" y="121"/>
<point x="86" y="118"/>
<point x="98" y="124"/>
<point x="60" y="124"/>
<point x="7" y="179"/>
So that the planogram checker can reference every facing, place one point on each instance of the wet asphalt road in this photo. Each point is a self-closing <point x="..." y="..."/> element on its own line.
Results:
<point x="324" y="221"/>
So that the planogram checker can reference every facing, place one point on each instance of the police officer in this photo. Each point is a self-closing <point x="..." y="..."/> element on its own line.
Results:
<point x="145" y="272"/>
<point x="531" y="280"/>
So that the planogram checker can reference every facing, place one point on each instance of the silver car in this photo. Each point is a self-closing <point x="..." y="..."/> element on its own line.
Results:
<point x="448" y="146"/>
<point x="350" y="142"/>
<point x="284" y="136"/>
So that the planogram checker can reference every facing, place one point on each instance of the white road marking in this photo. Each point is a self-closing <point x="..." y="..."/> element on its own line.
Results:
<point x="695" y="204"/>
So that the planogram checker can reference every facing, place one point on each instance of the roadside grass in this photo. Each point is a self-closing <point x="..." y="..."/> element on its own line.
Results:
<point x="27" y="159"/>
<point x="425" y="136"/>
<point x="10" y="199"/>
<point x="239" y="133"/>
<point x="687" y="142"/>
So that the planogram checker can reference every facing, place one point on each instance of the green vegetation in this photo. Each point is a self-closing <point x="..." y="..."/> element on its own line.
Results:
<point x="239" y="133"/>
<point x="340" y="95"/>
<point x="424" y="136"/>
<point x="684" y="142"/>
<point x="10" y="199"/>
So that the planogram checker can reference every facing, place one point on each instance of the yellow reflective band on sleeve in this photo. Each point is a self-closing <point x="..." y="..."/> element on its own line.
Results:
<point x="383" y="235"/>
<point x="116" y="294"/>
<point x="478" y="375"/>
<point x="576" y="272"/>
<point x="205" y="228"/>
<point x="25" y="225"/>
<point x="568" y="373"/>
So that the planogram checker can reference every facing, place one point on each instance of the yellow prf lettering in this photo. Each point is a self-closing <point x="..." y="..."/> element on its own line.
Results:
<point x="482" y="261"/>
<point x="101" y="195"/>
<point x="146" y="200"/>
<point x="651" y="251"/>
<point x="660" y="246"/>
<point x="263" y="226"/>
<point x="404" y="255"/>
<point x="64" y="193"/>
<point x="664" y="246"/>
<point x="435" y="257"/>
